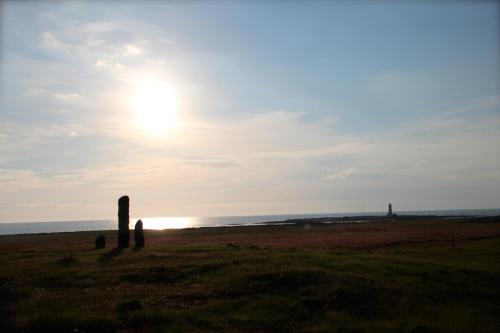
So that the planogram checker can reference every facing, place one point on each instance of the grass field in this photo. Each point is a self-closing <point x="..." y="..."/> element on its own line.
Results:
<point x="236" y="287"/>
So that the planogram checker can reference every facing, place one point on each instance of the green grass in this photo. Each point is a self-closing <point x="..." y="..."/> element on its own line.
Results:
<point x="412" y="288"/>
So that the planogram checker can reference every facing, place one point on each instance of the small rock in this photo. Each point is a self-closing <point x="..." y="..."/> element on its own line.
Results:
<point x="100" y="242"/>
<point x="129" y="306"/>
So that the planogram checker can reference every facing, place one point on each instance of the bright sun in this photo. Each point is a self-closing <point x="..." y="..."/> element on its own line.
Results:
<point x="153" y="102"/>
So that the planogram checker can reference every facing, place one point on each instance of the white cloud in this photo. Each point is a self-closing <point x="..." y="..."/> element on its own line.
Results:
<point x="23" y="139"/>
<point x="50" y="41"/>
<point x="66" y="97"/>
<point x="131" y="50"/>
<point x="35" y="92"/>
<point x="100" y="63"/>
<point x="342" y="174"/>
<point x="88" y="40"/>
<point x="109" y="64"/>
<point x="19" y="180"/>
<point x="274" y="160"/>
<point x="93" y="28"/>
<point x="279" y="162"/>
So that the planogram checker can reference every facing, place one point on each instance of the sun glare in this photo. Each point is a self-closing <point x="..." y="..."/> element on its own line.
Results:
<point x="154" y="104"/>
<point x="160" y="223"/>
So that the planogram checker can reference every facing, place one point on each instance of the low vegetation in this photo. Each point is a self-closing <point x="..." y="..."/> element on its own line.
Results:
<point x="425" y="287"/>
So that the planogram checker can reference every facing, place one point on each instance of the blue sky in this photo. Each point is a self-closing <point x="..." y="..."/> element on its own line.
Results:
<point x="281" y="107"/>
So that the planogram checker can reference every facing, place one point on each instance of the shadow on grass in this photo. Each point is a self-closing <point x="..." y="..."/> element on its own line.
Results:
<point x="67" y="260"/>
<point x="5" y="297"/>
<point x="110" y="255"/>
<point x="56" y="323"/>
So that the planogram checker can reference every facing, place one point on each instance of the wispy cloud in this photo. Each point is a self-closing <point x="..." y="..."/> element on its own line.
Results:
<point x="399" y="162"/>
<point x="66" y="97"/>
<point x="50" y="41"/>
<point x="131" y="50"/>
<point x="264" y="127"/>
<point x="342" y="174"/>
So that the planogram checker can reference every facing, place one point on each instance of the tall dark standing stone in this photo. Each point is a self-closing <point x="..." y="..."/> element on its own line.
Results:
<point x="389" y="213"/>
<point x="123" y="218"/>
<point x="139" y="234"/>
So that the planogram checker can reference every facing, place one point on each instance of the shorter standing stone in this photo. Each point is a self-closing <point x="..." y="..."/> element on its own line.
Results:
<point x="100" y="242"/>
<point x="139" y="234"/>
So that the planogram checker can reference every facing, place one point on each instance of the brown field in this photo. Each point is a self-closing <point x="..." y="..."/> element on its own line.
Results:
<point x="377" y="233"/>
<point x="396" y="274"/>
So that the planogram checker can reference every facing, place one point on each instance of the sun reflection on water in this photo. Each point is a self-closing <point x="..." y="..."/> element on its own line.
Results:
<point x="159" y="223"/>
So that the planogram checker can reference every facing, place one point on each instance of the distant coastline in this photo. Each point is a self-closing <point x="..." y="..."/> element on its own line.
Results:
<point x="11" y="228"/>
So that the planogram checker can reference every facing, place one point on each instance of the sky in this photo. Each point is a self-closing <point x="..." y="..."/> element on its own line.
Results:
<point x="216" y="108"/>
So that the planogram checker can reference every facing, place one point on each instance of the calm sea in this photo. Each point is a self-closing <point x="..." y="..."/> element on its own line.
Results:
<point x="196" y="222"/>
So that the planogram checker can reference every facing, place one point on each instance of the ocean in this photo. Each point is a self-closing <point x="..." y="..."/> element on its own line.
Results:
<point x="196" y="222"/>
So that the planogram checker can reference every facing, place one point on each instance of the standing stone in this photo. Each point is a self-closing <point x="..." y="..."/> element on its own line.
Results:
<point x="139" y="234"/>
<point x="389" y="213"/>
<point x="123" y="219"/>
<point x="100" y="242"/>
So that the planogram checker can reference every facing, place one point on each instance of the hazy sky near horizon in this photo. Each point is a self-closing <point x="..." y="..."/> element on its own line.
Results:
<point x="280" y="107"/>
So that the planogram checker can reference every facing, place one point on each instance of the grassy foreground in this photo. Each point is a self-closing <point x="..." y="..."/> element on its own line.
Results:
<point x="425" y="287"/>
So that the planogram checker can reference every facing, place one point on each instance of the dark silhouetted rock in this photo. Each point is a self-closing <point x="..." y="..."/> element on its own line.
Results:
<point x="128" y="306"/>
<point x="67" y="260"/>
<point x="139" y="234"/>
<point x="389" y="210"/>
<point x="123" y="219"/>
<point x="100" y="242"/>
